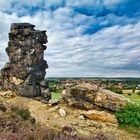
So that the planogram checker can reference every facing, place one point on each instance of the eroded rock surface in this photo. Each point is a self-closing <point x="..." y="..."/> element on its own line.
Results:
<point x="89" y="96"/>
<point x="100" y="116"/>
<point x="25" y="71"/>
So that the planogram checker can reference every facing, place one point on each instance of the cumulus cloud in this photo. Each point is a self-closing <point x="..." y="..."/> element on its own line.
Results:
<point x="80" y="44"/>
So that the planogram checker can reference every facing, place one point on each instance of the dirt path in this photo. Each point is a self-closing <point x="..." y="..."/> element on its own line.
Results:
<point x="49" y="116"/>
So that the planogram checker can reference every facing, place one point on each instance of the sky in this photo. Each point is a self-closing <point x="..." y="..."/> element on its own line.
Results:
<point x="86" y="38"/>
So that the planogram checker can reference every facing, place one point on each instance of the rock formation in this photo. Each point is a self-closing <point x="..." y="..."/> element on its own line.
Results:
<point x="25" y="71"/>
<point x="88" y="97"/>
<point x="100" y="116"/>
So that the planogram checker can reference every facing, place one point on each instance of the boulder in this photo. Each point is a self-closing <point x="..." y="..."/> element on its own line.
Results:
<point x="64" y="92"/>
<point x="100" y="116"/>
<point x="80" y="96"/>
<point x="81" y="117"/>
<point x="62" y="112"/>
<point x="89" y="96"/>
<point x="25" y="72"/>
<point x="110" y="100"/>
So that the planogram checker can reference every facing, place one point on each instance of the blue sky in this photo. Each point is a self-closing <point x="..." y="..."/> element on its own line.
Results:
<point x="86" y="37"/>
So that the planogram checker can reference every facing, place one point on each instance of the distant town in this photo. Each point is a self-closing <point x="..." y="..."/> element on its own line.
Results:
<point x="129" y="87"/>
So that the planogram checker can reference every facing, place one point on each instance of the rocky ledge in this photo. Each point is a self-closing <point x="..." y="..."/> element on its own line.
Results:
<point x="89" y="96"/>
<point x="25" y="72"/>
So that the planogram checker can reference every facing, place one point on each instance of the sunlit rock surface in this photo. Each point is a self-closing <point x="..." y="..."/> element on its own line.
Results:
<point x="89" y="96"/>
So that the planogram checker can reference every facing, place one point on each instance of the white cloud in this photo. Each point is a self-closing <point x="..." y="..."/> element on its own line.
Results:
<point x="93" y="3"/>
<point x="112" y="2"/>
<point x="109" y="52"/>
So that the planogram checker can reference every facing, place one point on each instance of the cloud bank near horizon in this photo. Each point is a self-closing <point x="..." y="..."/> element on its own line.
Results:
<point x="86" y="38"/>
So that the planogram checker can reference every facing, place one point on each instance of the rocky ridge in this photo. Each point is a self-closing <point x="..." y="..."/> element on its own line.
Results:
<point x="88" y="96"/>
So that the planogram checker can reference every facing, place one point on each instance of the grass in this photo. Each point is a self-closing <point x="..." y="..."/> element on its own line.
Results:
<point x="56" y="95"/>
<point x="21" y="111"/>
<point x="132" y="130"/>
<point x="133" y="97"/>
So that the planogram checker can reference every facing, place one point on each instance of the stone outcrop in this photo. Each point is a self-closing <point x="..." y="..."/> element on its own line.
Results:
<point x="25" y="71"/>
<point x="100" y="116"/>
<point x="89" y="96"/>
<point x="7" y="94"/>
<point x="110" y="100"/>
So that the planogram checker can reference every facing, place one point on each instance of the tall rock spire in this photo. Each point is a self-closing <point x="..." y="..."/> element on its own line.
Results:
<point x="25" y="71"/>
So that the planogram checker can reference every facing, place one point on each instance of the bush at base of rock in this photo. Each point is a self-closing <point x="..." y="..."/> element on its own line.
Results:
<point x="130" y="116"/>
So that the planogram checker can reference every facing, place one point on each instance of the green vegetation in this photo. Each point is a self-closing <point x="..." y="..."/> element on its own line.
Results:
<point x="55" y="86"/>
<point x="133" y="97"/>
<point x="138" y="93"/>
<point x="21" y="111"/>
<point x="129" y="116"/>
<point x="56" y="95"/>
<point x="119" y="91"/>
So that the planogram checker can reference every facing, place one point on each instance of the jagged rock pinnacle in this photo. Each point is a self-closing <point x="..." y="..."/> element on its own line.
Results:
<point x="25" y="71"/>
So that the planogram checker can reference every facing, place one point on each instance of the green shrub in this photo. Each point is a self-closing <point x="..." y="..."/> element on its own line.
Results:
<point x="21" y="111"/>
<point x="129" y="116"/>
<point x="52" y="89"/>
<point x="138" y="93"/>
<point x="119" y="91"/>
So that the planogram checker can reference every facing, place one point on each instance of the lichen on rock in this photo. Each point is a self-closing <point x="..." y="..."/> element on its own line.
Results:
<point x="25" y="71"/>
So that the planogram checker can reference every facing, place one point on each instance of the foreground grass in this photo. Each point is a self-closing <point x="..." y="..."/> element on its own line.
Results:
<point x="133" y="97"/>
<point x="130" y="129"/>
<point x="15" y="126"/>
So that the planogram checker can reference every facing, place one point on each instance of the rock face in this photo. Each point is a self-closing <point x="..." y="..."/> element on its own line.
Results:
<point x="110" y="100"/>
<point x="25" y="71"/>
<point x="81" y="96"/>
<point x="100" y="116"/>
<point x="88" y="97"/>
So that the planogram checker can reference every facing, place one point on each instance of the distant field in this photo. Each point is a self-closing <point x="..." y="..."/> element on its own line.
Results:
<point x="133" y="97"/>
<point x="56" y="95"/>
<point x="125" y="91"/>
